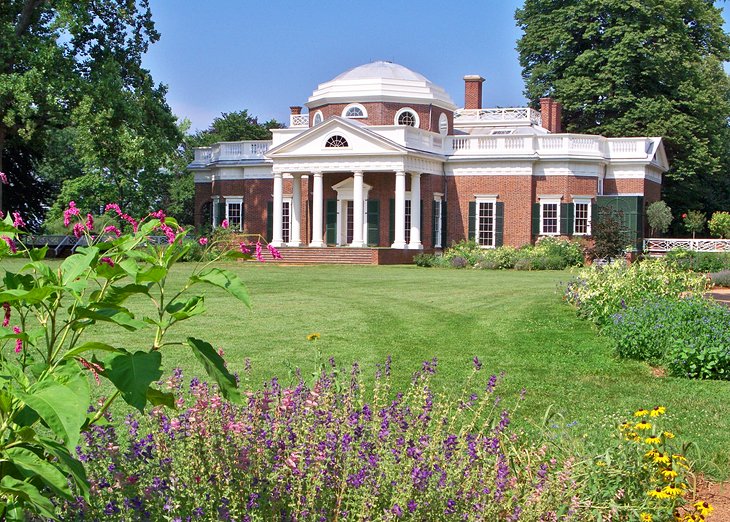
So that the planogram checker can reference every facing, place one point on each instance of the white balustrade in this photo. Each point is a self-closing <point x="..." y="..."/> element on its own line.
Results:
<point x="499" y="115"/>
<point x="202" y="154"/>
<point x="660" y="246"/>
<point x="299" y="120"/>
<point x="231" y="151"/>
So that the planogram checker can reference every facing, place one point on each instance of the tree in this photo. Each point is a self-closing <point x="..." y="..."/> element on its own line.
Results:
<point x="77" y="65"/>
<point x="719" y="225"/>
<point x="234" y="126"/>
<point x="659" y="216"/>
<point x="610" y="235"/>
<point x="630" y="68"/>
<point x="694" y="221"/>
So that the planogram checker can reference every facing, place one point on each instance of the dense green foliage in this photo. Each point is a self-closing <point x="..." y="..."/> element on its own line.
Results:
<point x="690" y="336"/>
<point x="80" y="118"/>
<point x="651" y="68"/>
<point x="719" y="225"/>
<point x="234" y="126"/>
<point x="610" y="235"/>
<point x="659" y="217"/>
<point x="721" y="278"/>
<point x="703" y="262"/>
<point x="694" y="222"/>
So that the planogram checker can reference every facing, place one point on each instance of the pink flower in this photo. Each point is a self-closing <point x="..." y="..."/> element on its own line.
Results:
<point x="274" y="252"/>
<point x="684" y="216"/>
<point x="160" y="214"/>
<point x="70" y="211"/>
<point x="11" y="244"/>
<point x="78" y="229"/>
<point x="258" y="252"/>
<point x="244" y="248"/>
<point x="224" y="223"/>
<point x="17" y="220"/>
<point x="203" y="241"/>
<point x="18" y="342"/>
<point x="2" y="214"/>
<point x="112" y="229"/>
<point x="108" y="261"/>
<point x="6" y="319"/>
<point x="3" y="178"/>
<point x="129" y="219"/>
<point x="89" y="222"/>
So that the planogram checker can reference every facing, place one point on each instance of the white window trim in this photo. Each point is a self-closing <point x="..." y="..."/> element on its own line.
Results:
<point x="443" y="124"/>
<point x="407" y="109"/>
<point x="493" y="201"/>
<point x="438" y="197"/>
<point x="319" y="115"/>
<point x="588" y="201"/>
<point x="358" y="106"/>
<point x="234" y="200"/>
<point x="214" y="211"/>
<point x="547" y="200"/>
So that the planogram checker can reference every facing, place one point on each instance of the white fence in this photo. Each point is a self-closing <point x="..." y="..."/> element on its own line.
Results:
<point x="660" y="246"/>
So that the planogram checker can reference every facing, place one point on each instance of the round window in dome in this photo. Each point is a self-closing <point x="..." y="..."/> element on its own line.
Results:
<point x="336" y="141"/>
<point x="355" y="110"/>
<point x="406" y="117"/>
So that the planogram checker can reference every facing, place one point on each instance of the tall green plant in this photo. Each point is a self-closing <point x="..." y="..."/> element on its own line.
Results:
<point x="47" y="346"/>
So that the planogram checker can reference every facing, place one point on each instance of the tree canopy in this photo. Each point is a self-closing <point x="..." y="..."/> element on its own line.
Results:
<point x="638" y="68"/>
<point x="235" y="126"/>
<point x="79" y="115"/>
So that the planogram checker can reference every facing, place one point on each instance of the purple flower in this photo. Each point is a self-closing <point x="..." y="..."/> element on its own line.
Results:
<point x="477" y="363"/>
<point x="18" y="220"/>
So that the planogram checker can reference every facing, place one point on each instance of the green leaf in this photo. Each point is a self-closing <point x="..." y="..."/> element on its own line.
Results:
<point x="174" y="252"/>
<point x="112" y="314"/>
<point x="86" y="347"/>
<point x="154" y="274"/>
<point x="216" y="369"/>
<point x="129" y="266"/>
<point x="226" y="280"/>
<point x="68" y="462"/>
<point x="132" y="374"/>
<point x="159" y="398"/>
<point x="60" y="408"/>
<point x="38" y="254"/>
<point x="11" y="486"/>
<point x="32" y="464"/>
<point x="181" y="310"/>
<point x="119" y="294"/>
<point x="32" y="296"/>
<point x="75" y="265"/>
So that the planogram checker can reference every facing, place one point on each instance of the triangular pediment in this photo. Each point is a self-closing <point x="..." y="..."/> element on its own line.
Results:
<point x="660" y="155"/>
<point x="358" y="138"/>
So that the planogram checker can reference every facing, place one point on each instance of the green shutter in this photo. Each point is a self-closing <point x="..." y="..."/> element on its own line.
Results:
<point x="536" y="219"/>
<point x="391" y="221"/>
<point x="571" y="218"/>
<point x="433" y="222"/>
<point x="594" y="215"/>
<point x="331" y="221"/>
<point x="373" y="222"/>
<point x="221" y="212"/>
<point x="566" y="219"/>
<point x="444" y="216"/>
<point x="269" y="220"/>
<point x="472" y="220"/>
<point x="499" y="224"/>
<point x="243" y="215"/>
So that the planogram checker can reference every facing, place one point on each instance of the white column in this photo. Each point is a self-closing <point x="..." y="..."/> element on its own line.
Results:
<point x="400" y="210"/>
<point x="415" y="241"/>
<point x="295" y="232"/>
<point x="358" y="212"/>
<point x="277" y="234"/>
<point x="317" y="197"/>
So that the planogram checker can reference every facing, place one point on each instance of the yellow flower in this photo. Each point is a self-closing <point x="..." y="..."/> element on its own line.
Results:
<point x="600" y="463"/>
<point x="652" y="440"/>
<point x="646" y="517"/>
<point x="651" y="453"/>
<point x="668" y="435"/>
<point x="661" y="458"/>
<point x="626" y="426"/>
<point x="313" y="337"/>
<point x="679" y="457"/>
<point x="703" y="508"/>
<point x="641" y="412"/>
<point x="657" y="493"/>
<point x="672" y="491"/>
<point x="658" y="410"/>
<point x="643" y="425"/>
<point x="669" y="474"/>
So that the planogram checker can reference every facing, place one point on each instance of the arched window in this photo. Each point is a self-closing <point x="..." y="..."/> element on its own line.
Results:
<point x="355" y="110"/>
<point x="406" y="117"/>
<point x="318" y="118"/>
<point x="336" y="141"/>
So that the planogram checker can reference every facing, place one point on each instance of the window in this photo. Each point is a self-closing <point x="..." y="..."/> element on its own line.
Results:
<point x="318" y="118"/>
<point x="407" y="117"/>
<point x="355" y="111"/>
<point x="438" y="222"/>
<point x="485" y="223"/>
<point x="443" y="124"/>
<point x="336" y="141"/>
<point x="286" y="221"/>
<point x="582" y="219"/>
<point x="408" y="219"/>
<point x="234" y="213"/>
<point x="549" y="217"/>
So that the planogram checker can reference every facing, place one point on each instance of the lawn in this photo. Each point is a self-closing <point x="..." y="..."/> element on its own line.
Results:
<point x="515" y="322"/>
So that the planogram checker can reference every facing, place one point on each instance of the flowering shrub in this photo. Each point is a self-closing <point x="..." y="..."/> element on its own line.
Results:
<point x="698" y="261"/>
<point x="641" y="475"/>
<point x="721" y="278"/>
<point x="44" y="354"/>
<point x="694" y="221"/>
<point x="600" y="292"/>
<point x="326" y="452"/>
<point x="690" y="336"/>
<point x="549" y="253"/>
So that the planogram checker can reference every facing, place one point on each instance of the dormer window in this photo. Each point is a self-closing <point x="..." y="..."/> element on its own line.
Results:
<point x="355" y="110"/>
<point x="318" y="118"/>
<point x="336" y="141"/>
<point x="406" y="117"/>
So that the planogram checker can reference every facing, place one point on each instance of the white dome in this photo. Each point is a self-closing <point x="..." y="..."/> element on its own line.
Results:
<point x="380" y="81"/>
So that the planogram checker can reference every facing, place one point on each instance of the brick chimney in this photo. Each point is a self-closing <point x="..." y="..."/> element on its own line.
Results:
<point x="295" y="110"/>
<point x="473" y="91"/>
<point x="552" y="115"/>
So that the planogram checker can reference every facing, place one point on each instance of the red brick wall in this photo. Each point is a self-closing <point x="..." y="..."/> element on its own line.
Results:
<point x="473" y="92"/>
<point x="383" y="113"/>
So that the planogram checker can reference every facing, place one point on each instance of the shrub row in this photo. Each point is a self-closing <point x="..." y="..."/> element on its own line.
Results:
<point x="699" y="261"/>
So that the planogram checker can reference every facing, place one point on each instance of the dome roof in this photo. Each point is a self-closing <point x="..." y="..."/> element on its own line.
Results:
<point x="380" y="81"/>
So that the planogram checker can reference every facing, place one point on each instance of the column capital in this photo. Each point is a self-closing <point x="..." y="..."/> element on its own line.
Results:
<point x="357" y="172"/>
<point x="415" y="174"/>
<point x="317" y="174"/>
<point x="278" y="174"/>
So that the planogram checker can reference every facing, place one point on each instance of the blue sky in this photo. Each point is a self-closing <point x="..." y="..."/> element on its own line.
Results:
<point x="226" y="55"/>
